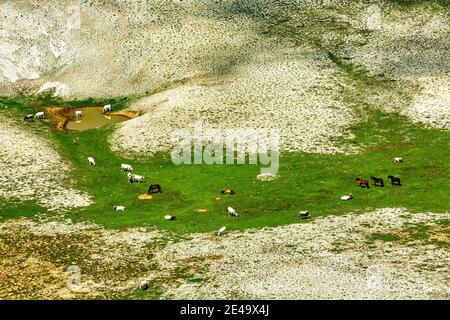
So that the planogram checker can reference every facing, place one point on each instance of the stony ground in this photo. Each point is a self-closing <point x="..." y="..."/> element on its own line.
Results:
<point x="38" y="259"/>
<point x="328" y="258"/>
<point x="251" y="63"/>
<point x="273" y="90"/>
<point x="413" y="45"/>
<point x="32" y="169"/>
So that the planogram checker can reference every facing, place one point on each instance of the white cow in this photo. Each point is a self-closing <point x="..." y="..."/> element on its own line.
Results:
<point x="78" y="114"/>
<point x="119" y="208"/>
<point x="91" y="161"/>
<point x="39" y="115"/>
<point x="144" y="285"/>
<point x="304" y="214"/>
<point x="126" y="167"/>
<point x="107" y="108"/>
<point x="169" y="217"/>
<point x="347" y="197"/>
<point x="398" y="159"/>
<point x="135" y="178"/>
<point x="232" y="212"/>
<point x="221" y="231"/>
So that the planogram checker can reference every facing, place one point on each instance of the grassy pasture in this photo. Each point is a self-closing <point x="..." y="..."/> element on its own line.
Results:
<point x="307" y="181"/>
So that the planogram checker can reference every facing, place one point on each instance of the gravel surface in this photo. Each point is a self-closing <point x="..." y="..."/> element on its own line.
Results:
<point x="251" y="63"/>
<point x="98" y="49"/>
<point x="413" y="45"/>
<point x="329" y="258"/>
<point x="274" y="90"/>
<point x="37" y="257"/>
<point x="334" y="257"/>
<point x="33" y="170"/>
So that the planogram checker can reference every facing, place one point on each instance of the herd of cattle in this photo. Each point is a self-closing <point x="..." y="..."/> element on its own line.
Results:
<point x="156" y="188"/>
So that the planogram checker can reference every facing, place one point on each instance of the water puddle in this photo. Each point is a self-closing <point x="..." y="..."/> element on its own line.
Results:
<point x="93" y="117"/>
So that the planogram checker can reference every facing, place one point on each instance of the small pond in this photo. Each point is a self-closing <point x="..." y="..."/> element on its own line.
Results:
<point x="93" y="117"/>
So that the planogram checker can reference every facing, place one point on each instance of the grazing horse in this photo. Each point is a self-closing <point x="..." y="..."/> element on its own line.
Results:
<point x="362" y="182"/>
<point x="395" y="180"/>
<point x="377" y="181"/>
<point x="228" y="191"/>
<point x="154" y="188"/>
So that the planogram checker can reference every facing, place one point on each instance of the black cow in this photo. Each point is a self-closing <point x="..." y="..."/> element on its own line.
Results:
<point x="28" y="117"/>
<point x="154" y="188"/>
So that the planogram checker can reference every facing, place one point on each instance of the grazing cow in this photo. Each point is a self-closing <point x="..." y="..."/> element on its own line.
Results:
<point x="169" y="217"/>
<point x="397" y="159"/>
<point x="135" y="178"/>
<point x="221" y="231"/>
<point x="126" y="167"/>
<point x="107" y="108"/>
<point x="91" y="161"/>
<point x="228" y="191"/>
<point x="395" y="180"/>
<point x="39" y="115"/>
<point x="232" y="212"/>
<point x="154" y="188"/>
<point x="378" y="182"/>
<point x="144" y="285"/>
<point x="347" y="197"/>
<point x="28" y="117"/>
<point x="304" y="215"/>
<point x="119" y="208"/>
<point x="78" y="114"/>
<point x="362" y="182"/>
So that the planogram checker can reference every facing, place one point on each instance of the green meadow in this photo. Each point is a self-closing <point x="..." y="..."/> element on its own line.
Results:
<point x="313" y="182"/>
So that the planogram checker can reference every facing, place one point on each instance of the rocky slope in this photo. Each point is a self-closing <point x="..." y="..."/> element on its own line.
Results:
<point x="337" y="257"/>
<point x="32" y="169"/>
<point x="260" y="63"/>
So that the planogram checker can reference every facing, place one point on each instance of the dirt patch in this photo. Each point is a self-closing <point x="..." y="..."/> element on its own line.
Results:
<point x="145" y="196"/>
<point x="412" y="46"/>
<point x="125" y="113"/>
<point x="61" y="115"/>
<point x="273" y="89"/>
